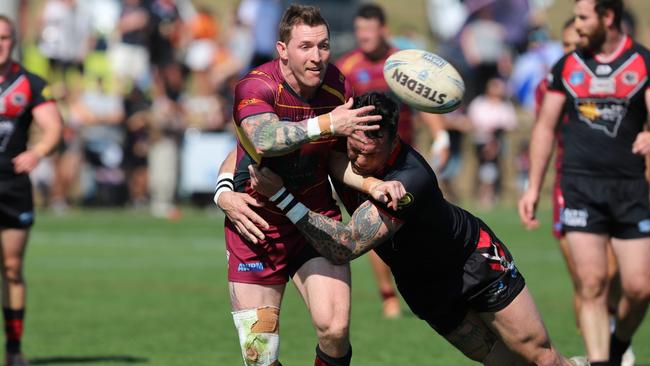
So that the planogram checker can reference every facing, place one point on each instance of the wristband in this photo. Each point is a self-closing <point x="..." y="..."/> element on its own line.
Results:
<point x="320" y="126"/>
<point x="225" y="183"/>
<point x="440" y="142"/>
<point x="289" y="205"/>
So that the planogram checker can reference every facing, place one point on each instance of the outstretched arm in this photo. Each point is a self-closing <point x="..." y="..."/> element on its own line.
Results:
<point x="340" y="243"/>
<point x="387" y="192"/>
<point x="272" y="137"/>
<point x="541" y="146"/>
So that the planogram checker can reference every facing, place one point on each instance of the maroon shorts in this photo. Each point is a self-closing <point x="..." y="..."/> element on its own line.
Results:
<point x="269" y="262"/>
<point x="558" y="206"/>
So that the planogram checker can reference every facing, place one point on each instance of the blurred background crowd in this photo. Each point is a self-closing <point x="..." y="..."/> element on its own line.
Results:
<point x="145" y="88"/>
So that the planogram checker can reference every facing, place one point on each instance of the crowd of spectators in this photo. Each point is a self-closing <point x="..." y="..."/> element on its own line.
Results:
<point x="145" y="88"/>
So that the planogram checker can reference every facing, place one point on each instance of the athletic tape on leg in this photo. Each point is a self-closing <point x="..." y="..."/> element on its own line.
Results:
<point x="258" y="335"/>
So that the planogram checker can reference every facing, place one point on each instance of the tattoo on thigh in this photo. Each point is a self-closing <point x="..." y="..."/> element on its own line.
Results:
<point x="473" y="338"/>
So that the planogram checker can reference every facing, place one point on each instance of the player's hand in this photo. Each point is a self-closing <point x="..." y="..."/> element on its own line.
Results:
<point x="26" y="161"/>
<point x="527" y="206"/>
<point x="264" y="180"/>
<point x="236" y="206"/>
<point x="641" y="145"/>
<point x="390" y="192"/>
<point x="346" y="121"/>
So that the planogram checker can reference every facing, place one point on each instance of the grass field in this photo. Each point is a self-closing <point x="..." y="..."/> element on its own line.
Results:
<point x="119" y="287"/>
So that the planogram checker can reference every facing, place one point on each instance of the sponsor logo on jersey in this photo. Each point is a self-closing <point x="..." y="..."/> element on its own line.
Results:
<point x="603" y="70"/>
<point x="630" y="78"/>
<point x="575" y="217"/>
<point x="644" y="226"/>
<point x="248" y="102"/>
<point x="602" y="86"/>
<point x="18" y="99"/>
<point x="577" y="78"/>
<point x="250" y="267"/>
<point x="602" y="114"/>
<point x="363" y="76"/>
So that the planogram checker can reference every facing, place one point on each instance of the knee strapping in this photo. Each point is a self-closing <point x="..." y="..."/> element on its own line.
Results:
<point x="258" y="335"/>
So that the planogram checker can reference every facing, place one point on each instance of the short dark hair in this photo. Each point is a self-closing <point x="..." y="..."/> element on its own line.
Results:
<point x="569" y="23"/>
<point x="299" y="14"/>
<point x="616" y="6"/>
<point x="386" y="107"/>
<point x="12" y="25"/>
<point x="372" y="11"/>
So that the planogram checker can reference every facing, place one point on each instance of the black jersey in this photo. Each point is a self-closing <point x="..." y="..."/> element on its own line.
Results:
<point x="606" y="110"/>
<point x="435" y="235"/>
<point x="20" y="92"/>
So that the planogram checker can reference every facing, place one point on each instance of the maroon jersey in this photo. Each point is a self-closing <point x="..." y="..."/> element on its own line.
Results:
<point x="605" y="110"/>
<point x="305" y="170"/>
<point x="367" y="75"/>
<point x="20" y="93"/>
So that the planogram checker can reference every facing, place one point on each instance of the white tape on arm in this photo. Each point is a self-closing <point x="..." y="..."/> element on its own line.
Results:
<point x="225" y="183"/>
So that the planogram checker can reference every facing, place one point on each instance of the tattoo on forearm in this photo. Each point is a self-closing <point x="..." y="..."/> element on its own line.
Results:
<point x="341" y="243"/>
<point x="272" y="137"/>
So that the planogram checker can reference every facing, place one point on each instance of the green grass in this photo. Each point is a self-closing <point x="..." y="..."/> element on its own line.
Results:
<point x="119" y="287"/>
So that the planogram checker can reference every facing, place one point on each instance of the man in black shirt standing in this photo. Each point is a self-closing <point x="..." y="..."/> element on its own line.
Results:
<point x="23" y="97"/>
<point x="451" y="269"/>
<point x="602" y="90"/>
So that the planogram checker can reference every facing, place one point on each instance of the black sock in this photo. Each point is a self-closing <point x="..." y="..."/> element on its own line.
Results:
<point x="616" y="349"/>
<point x="600" y="363"/>
<point x="13" y="329"/>
<point x="331" y="361"/>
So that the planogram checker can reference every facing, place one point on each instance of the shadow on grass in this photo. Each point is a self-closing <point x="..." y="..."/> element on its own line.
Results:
<point x="86" y="359"/>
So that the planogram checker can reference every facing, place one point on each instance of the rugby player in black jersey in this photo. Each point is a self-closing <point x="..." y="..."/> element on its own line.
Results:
<point x="451" y="269"/>
<point x="603" y="91"/>
<point x="21" y="100"/>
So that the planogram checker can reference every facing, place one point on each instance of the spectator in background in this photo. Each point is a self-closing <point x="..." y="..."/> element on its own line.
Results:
<point x="101" y="112"/>
<point x="165" y="37"/>
<point x="136" y="147"/>
<point x="167" y="126"/>
<point x="129" y="56"/>
<point x="533" y="65"/>
<point x="484" y="48"/>
<point x="262" y="17"/>
<point x="491" y="115"/>
<point x="64" y="36"/>
<point x="457" y="124"/>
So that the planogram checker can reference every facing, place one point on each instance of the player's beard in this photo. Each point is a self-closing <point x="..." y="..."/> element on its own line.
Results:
<point x="596" y="40"/>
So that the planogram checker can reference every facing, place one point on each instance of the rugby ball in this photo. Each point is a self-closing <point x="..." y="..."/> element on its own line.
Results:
<point x="424" y="81"/>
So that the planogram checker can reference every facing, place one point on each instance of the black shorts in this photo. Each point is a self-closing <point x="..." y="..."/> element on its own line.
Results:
<point x="16" y="204"/>
<point x="618" y="207"/>
<point x="487" y="281"/>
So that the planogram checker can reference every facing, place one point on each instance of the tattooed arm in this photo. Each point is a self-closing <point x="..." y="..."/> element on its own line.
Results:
<point x="272" y="137"/>
<point x="340" y="243"/>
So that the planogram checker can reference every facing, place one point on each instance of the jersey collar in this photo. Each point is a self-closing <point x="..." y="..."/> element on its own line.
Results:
<point x="624" y="45"/>
<point x="392" y="159"/>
